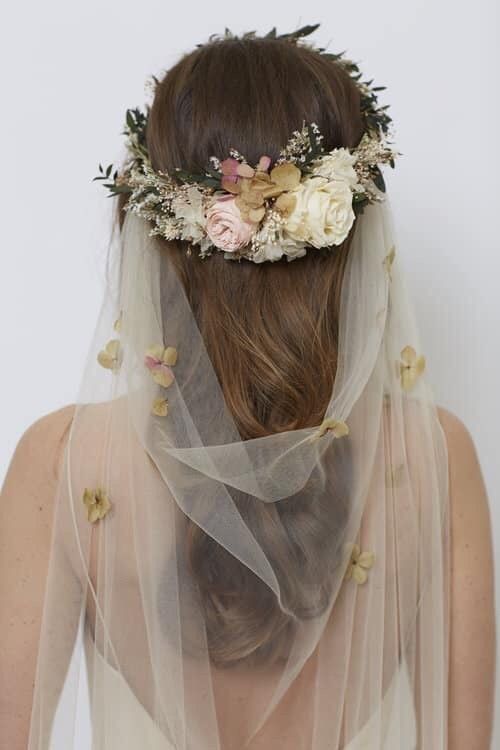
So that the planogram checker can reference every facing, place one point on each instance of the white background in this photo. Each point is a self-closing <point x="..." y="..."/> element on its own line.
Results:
<point x="69" y="70"/>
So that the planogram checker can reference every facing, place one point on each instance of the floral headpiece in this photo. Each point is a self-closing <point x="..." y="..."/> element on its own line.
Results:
<point x="308" y="198"/>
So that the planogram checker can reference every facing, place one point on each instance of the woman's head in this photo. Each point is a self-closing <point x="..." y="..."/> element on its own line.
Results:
<point x="270" y="329"/>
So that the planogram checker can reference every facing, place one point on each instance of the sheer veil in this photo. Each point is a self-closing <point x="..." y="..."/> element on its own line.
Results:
<point x="363" y="641"/>
<point x="220" y="589"/>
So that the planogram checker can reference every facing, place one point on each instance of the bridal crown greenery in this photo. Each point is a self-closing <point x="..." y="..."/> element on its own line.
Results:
<point x="307" y="198"/>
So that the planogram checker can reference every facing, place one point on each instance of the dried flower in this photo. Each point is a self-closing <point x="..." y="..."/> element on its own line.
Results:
<point x="338" y="429"/>
<point x="97" y="504"/>
<point x="226" y="226"/>
<point x="160" y="407"/>
<point x="337" y="165"/>
<point x="159" y="362"/>
<point x="410" y="368"/>
<point x="388" y="261"/>
<point x="232" y="171"/>
<point x="359" y="564"/>
<point x="323" y="213"/>
<point x="111" y="356"/>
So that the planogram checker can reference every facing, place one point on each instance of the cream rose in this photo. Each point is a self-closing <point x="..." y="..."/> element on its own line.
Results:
<point x="226" y="227"/>
<point x="337" y="165"/>
<point x="323" y="213"/>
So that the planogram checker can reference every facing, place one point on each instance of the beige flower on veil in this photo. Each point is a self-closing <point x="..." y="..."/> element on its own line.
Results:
<point x="388" y="261"/>
<point x="160" y="407"/>
<point x="337" y="428"/>
<point x="159" y="361"/>
<point x="410" y="367"/>
<point x="97" y="504"/>
<point x="111" y="356"/>
<point x="359" y="564"/>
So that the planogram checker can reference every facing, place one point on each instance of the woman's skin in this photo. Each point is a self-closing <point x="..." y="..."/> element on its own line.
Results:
<point x="26" y="511"/>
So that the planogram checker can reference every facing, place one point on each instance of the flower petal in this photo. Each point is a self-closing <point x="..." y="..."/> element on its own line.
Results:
<point x="89" y="498"/>
<point x="93" y="514"/>
<point x="256" y="214"/>
<point x="359" y="574"/>
<point x="155" y="352"/>
<point x="160" y="407"/>
<point x="229" y="167"/>
<point x="389" y="260"/>
<point x="170" y="356"/>
<point x="264" y="163"/>
<point x="163" y="375"/>
<point x="366" y="559"/>
<point x="285" y="203"/>
<point x="408" y="355"/>
<point x="105" y="360"/>
<point x="245" y="170"/>
<point x="110" y="356"/>
<point x="231" y="185"/>
<point x="420" y="365"/>
<point x="286" y="175"/>
<point x="408" y="377"/>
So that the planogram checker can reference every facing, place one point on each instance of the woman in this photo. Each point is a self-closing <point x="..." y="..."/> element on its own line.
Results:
<point x="268" y="533"/>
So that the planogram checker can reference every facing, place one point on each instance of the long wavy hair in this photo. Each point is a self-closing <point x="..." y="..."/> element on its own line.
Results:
<point x="271" y="329"/>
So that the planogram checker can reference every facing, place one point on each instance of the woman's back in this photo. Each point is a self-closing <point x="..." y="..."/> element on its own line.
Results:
<point x="26" y="530"/>
<point x="251" y="513"/>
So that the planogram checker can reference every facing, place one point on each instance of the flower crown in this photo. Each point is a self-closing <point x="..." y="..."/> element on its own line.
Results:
<point x="307" y="198"/>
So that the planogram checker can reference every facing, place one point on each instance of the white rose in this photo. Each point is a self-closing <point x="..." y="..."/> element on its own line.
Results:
<point x="337" y="165"/>
<point x="323" y="213"/>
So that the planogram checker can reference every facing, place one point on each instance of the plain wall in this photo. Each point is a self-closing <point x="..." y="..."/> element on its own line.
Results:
<point x="69" y="70"/>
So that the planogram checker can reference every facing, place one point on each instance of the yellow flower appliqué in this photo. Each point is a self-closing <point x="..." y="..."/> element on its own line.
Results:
<point x="111" y="356"/>
<point x="359" y="564"/>
<point x="97" y="504"/>
<point x="410" y="367"/>
<point x="339" y="429"/>
<point x="160" y="407"/>
<point x="388" y="261"/>
<point x="159" y="362"/>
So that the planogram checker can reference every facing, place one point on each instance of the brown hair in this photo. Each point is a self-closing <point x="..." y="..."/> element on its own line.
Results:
<point x="270" y="329"/>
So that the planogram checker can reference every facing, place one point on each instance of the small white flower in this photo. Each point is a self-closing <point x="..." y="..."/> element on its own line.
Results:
<point x="274" y="244"/>
<point x="337" y="165"/>
<point x="190" y="210"/>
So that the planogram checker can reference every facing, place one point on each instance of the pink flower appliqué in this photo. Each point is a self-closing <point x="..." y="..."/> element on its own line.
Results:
<point x="159" y="362"/>
<point x="226" y="227"/>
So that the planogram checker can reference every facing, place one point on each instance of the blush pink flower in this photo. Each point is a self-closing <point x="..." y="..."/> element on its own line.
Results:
<point x="226" y="227"/>
<point x="232" y="171"/>
<point x="159" y="362"/>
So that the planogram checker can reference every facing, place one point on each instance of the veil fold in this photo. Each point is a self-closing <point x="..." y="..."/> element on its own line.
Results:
<point x="154" y="457"/>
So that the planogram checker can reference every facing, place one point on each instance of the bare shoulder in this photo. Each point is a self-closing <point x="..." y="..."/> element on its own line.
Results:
<point x="459" y="439"/>
<point x="468" y="494"/>
<point x="473" y="642"/>
<point x="26" y="516"/>
<point x="34" y="464"/>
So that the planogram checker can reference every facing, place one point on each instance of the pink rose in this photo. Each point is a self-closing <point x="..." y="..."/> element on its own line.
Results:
<point x="225" y="226"/>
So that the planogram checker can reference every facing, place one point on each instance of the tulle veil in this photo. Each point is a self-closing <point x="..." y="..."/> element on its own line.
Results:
<point x="364" y="658"/>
